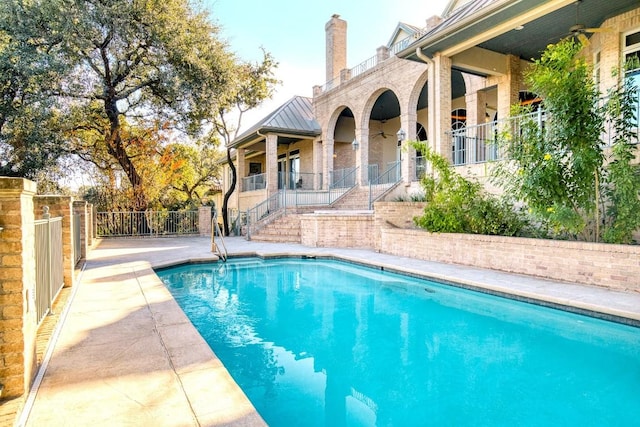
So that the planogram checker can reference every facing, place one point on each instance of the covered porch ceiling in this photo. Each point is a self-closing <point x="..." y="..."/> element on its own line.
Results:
<point x="522" y="28"/>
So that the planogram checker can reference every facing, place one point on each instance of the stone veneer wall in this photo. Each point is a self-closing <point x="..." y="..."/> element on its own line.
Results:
<point x="394" y="215"/>
<point x="337" y="229"/>
<point x="611" y="266"/>
<point x="204" y="220"/>
<point x="391" y="230"/>
<point x="17" y="282"/>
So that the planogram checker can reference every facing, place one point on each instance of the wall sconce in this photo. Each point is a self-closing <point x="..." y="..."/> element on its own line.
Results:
<point x="355" y="144"/>
<point x="401" y="136"/>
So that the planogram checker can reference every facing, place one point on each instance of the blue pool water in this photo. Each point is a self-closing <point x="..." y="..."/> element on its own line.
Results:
<point x="326" y="343"/>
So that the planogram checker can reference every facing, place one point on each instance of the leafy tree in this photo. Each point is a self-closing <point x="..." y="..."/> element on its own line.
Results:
<point x="29" y="129"/>
<point x="255" y="83"/>
<point x="622" y="178"/>
<point x="556" y="168"/>
<point x="140" y="60"/>
<point x="192" y="170"/>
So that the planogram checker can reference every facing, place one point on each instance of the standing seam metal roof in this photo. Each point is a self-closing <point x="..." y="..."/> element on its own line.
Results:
<point x="293" y="117"/>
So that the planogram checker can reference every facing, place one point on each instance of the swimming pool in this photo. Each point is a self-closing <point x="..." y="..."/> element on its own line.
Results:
<point x="320" y="342"/>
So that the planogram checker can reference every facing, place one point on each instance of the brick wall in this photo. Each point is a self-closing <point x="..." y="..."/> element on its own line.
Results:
<point x="337" y="230"/>
<point x="394" y="215"/>
<point x="204" y="220"/>
<point x="17" y="282"/>
<point x="611" y="266"/>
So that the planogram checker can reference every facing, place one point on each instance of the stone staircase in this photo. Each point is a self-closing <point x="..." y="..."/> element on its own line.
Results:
<point x="285" y="229"/>
<point x="355" y="199"/>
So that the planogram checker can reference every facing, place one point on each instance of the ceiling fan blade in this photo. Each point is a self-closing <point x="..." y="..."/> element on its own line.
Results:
<point x="583" y="39"/>
<point x="598" y="30"/>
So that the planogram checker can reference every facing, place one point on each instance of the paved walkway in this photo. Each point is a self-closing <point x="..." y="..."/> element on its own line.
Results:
<point x="126" y="354"/>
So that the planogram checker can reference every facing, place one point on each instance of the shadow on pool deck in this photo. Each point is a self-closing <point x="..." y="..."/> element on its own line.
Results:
<point x="126" y="354"/>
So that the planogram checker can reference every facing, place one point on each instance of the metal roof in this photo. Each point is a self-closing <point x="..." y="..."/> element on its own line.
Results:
<point x="293" y="118"/>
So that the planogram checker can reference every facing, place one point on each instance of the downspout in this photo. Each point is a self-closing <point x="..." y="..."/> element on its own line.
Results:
<point x="424" y="57"/>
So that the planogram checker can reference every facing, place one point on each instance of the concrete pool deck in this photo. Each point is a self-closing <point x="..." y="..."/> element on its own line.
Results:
<point x="125" y="353"/>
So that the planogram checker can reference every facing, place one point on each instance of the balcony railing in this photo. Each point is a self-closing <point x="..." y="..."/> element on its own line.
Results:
<point x="479" y="143"/>
<point x="254" y="182"/>
<point x="364" y="66"/>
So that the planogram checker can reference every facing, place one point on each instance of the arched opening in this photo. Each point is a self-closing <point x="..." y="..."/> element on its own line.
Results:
<point x="344" y="147"/>
<point x="384" y="152"/>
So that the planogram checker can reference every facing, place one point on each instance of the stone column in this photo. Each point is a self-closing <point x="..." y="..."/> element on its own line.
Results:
<point x="327" y="161"/>
<point x="240" y="168"/>
<point x="318" y="163"/>
<point x="17" y="286"/>
<point x="509" y="87"/>
<point x="362" y="155"/>
<point x="60" y="206"/>
<point x="441" y="89"/>
<point x="204" y="220"/>
<point x="407" y="153"/>
<point x="272" y="164"/>
<point x="80" y="208"/>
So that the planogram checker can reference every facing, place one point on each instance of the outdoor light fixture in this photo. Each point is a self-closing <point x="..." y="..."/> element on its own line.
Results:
<point x="355" y="144"/>
<point x="401" y="136"/>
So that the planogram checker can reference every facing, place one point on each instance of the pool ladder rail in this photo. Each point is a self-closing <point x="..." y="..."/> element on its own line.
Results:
<point x="218" y="249"/>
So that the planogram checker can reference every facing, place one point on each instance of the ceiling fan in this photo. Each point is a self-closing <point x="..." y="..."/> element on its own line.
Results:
<point x="381" y="131"/>
<point x="580" y="31"/>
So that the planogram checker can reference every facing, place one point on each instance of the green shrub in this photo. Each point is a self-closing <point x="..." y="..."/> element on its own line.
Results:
<point x="458" y="205"/>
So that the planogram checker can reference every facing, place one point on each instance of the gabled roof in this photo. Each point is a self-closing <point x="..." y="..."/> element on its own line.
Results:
<point x="402" y="27"/>
<point x="294" y="117"/>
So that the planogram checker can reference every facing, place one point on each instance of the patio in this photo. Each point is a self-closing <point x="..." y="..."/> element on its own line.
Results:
<point x="125" y="354"/>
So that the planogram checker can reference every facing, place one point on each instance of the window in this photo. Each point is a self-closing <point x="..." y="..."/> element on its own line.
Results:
<point x="295" y="180"/>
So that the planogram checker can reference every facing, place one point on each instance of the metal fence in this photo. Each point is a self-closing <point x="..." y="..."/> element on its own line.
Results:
<point x="49" y="263"/>
<point x="77" y="239"/>
<point x="149" y="223"/>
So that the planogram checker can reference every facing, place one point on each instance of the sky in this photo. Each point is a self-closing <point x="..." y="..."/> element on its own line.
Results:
<point x="293" y="32"/>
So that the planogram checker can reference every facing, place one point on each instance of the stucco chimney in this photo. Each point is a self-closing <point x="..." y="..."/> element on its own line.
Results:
<point x="336" y="34"/>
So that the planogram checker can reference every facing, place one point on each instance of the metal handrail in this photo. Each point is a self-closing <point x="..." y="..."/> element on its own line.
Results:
<point x="261" y="211"/>
<point x="221" y="251"/>
<point x="384" y="183"/>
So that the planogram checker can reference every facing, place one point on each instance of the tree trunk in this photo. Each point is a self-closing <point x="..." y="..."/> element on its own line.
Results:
<point x="116" y="149"/>
<point x="227" y="195"/>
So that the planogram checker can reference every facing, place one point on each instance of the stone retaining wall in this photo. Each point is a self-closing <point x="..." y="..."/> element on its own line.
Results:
<point x="337" y="230"/>
<point x="605" y="265"/>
